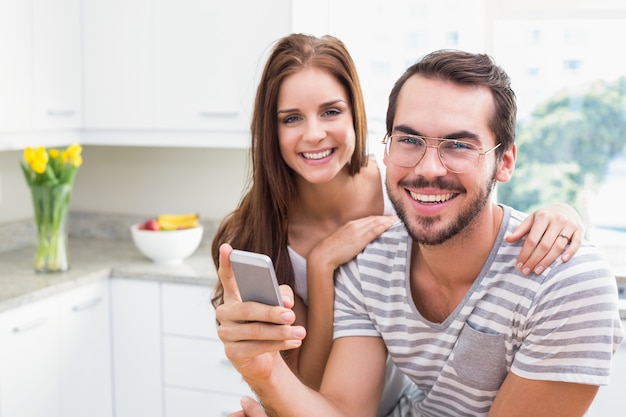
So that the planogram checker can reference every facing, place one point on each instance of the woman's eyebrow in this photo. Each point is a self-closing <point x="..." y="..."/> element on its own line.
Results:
<point x="323" y="105"/>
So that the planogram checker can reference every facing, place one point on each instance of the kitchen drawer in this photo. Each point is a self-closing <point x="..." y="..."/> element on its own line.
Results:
<point x="188" y="403"/>
<point x="200" y="364"/>
<point x="187" y="310"/>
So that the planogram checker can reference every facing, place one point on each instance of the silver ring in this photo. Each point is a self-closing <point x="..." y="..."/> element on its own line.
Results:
<point x="566" y="237"/>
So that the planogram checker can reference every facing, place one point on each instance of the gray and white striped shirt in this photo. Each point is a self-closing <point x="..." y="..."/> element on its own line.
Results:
<point x="561" y="325"/>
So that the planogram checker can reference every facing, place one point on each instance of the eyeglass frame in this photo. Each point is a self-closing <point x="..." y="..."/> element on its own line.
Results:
<point x="389" y="138"/>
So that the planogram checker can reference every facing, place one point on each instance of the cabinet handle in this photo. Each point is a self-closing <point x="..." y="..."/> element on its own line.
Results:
<point x="87" y="304"/>
<point x="61" y="113"/>
<point x="207" y="113"/>
<point x="29" y="326"/>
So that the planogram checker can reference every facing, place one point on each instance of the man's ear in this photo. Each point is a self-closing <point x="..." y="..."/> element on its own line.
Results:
<point x="507" y="164"/>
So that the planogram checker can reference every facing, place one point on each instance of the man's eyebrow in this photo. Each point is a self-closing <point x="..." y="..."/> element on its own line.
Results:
<point x="462" y="134"/>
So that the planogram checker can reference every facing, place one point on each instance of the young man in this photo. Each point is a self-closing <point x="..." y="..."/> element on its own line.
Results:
<point x="439" y="291"/>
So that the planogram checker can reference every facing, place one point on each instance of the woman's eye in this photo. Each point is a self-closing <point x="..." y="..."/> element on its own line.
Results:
<point x="332" y="112"/>
<point x="291" y="119"/>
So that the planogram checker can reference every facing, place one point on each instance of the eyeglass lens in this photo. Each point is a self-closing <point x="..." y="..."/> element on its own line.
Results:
<point x="456" y="156"/>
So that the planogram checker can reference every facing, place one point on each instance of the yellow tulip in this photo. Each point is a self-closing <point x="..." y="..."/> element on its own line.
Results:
<point x="72" y="155"/>
<point x="29" y="154"/>
<point x="54" y="153"/>
<point x="37" y="159"/>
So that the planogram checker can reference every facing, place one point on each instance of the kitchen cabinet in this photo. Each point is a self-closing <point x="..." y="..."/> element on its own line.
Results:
<point x="176" y="72"/>
<point x="40" y="75"/>
<point x="199" y="379"/>
<point x="57" y="70"/>
<point x="118" y="53"/>
<point x="168" y="360"/>
<point x="136" y="324"/>
<point x="85" y="349"/>
<point x="29" y="361"/>
<point x="55" y="357"/>
<point x="17" y="68"/>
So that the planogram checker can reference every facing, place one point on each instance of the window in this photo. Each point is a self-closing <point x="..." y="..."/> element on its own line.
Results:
<point x="570" y="87"/>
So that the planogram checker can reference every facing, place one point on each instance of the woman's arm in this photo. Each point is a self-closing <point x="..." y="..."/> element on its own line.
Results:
<point x="550" y="231"/>
<point x="338" y="248"/>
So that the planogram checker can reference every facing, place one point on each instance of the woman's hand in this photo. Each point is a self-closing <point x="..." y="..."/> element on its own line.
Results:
<point x="348" y="241"/>
<point x="550" y="231"/>
<point x="253" y="333"/>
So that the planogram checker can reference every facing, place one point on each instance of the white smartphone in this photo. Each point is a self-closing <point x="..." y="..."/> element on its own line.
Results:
<point x="256" y="278"/>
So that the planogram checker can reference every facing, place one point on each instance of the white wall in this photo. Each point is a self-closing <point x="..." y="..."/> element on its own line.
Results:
<point x="138" y="180"/>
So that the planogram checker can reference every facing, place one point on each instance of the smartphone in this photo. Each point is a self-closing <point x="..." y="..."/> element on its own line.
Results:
<point x="256" y="278"/>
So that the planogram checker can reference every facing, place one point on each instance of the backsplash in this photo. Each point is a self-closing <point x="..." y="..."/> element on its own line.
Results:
<point x="18" y="234"/>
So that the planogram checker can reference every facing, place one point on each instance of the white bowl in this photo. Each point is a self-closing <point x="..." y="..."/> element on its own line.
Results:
<point x="167" y="246"/>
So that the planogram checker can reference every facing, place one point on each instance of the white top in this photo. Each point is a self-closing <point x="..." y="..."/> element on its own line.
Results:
<point x="298" y="261"/>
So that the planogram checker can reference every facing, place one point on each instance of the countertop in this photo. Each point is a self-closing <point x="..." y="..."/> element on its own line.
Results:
<point x="94" y="259"/>
<point x="91" y="260"/>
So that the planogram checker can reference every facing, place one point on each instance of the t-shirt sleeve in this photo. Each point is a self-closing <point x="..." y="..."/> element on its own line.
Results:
<point x="351" y="315"/>
<point x="574" y="317"/>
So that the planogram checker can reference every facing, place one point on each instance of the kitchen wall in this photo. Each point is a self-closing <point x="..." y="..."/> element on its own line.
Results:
<point x="139" y="180"/>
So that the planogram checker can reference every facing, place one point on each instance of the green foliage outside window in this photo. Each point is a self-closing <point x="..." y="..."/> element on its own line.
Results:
<point x="565" y="147"/>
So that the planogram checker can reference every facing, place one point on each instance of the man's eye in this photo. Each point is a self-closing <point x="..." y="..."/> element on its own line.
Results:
<point x="409" y="140"/>
<point x="460" y="146"/>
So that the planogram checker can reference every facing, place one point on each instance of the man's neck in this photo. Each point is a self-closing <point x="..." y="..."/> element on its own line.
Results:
<point x="442" y="274"/>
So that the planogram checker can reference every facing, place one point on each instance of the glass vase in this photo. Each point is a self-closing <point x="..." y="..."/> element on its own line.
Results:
<point x="51" y="203"/>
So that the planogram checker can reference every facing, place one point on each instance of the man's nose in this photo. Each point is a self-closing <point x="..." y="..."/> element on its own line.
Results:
<point x="430" y="165"/>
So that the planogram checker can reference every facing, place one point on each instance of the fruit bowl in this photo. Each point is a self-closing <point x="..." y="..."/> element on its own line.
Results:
<point x="167" y="246"/>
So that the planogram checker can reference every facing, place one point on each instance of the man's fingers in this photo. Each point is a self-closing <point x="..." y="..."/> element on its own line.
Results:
<point x="227" y="278"/>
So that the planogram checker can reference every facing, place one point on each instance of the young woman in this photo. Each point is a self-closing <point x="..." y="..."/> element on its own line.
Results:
<point x="316" y="198"/>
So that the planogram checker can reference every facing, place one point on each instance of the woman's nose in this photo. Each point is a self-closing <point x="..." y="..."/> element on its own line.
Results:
<point x="314" y="131"/>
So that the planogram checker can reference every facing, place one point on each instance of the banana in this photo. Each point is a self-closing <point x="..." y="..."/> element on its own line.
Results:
<point x="178" y="221"/>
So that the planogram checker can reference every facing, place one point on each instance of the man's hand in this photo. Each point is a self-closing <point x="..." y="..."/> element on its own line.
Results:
<point x="250" y="408"/>
<point x="253" y="333"/>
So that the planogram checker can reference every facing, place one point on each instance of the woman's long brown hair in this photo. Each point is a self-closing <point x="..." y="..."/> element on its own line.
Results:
<point x="260" y="222"/>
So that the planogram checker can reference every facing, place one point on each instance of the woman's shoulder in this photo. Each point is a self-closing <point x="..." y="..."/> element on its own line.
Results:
<point x="377" y="178"/>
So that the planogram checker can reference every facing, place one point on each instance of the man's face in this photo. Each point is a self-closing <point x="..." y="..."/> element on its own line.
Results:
<point x="434" y="203"/>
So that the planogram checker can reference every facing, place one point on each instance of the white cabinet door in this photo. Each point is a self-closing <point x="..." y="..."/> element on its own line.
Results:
<point x="137" y="358"/>
<point x="118" y="62"/>
<point x="175" y="72"/>
<point x="187" y="311"/>
<point x="29" y="361"/>
<point x="199" y="379"/>
<point x="208" y="57"/>
<point x="16" y="97"/>
<point x="84" y="329"/>
<point x="40" y="73"/>
<point x="57" y="64"/>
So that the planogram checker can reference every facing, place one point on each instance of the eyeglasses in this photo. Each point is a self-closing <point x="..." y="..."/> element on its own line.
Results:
<point x="455" y="155"/>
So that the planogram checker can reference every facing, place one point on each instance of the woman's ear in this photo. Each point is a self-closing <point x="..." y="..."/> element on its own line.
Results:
<point x="507" y="164"/>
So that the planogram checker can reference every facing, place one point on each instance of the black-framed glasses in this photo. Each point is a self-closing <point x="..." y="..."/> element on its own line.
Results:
<point x="456" y="156"/>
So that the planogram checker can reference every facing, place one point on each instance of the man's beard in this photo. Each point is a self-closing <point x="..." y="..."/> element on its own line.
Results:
<point x="421" y="229"/>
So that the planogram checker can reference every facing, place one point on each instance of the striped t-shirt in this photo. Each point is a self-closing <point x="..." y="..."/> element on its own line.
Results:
<point x="561" y="325"/>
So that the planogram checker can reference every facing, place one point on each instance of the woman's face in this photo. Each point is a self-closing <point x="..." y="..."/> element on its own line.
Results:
<point x="315" y="126"/>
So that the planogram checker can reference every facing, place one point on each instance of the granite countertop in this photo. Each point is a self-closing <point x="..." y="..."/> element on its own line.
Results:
<point x="91" y="260"/>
